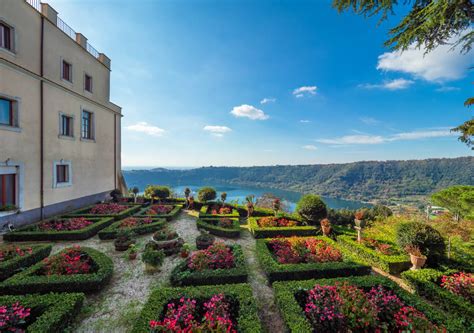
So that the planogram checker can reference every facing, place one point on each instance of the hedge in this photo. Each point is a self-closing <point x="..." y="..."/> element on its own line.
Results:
<point x="280" y="272"/>
<point x="204" y="214"/>
<point x="111" y="231"/>
<point x="171" y="215"/>
<point x="247" y="318"/>
<point x="54" y="312"/>
<point x="295" y="319"/>
<point x="271" y="232"/>
<point x="182" y="276"/>
<point x="392" y="264"/>
<point x="84" y="212"/>
<point x="28" y="233"/>
<point x="425" y="282"/>
<point x="12" y="266"/>
<point x="232" y="232"/>
<point x="257" y="211"/>
<point x="29" y="281"/>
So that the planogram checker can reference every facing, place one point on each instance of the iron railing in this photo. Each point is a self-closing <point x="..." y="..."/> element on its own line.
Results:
<point x="36" y="4"/>
<point x="92" y="50"/>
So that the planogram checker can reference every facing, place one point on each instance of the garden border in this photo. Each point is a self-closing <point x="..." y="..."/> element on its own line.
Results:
<point x="272" y="232"/>
<point x="171" y="215"/>
<point x="111" y="231"/>
<point x="233" y="232"/>
<point x="203" y="212"/>
<point x="127" y="212"/>
<point x="247" y="318"/>
<point x="10" y="267"/>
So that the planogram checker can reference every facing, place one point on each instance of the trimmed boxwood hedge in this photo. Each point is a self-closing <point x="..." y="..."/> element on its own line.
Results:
<point x="84" y="212"/>
<point x="203" y="212"/>
<point x="29" y="282"/>
<point x="247" y="318"/>
<point x="111" y="231"/>
<point x="28" y="233"/>
<point x="12" y="266"/>
<point x="294" y="316"/>
<point x="257" y="211"/>
<point x="271" y="232"/>
<point x="280" y="272"/>
<point x="425" y="282"/>
<point x="55" y="311"/>
<point x="171" y="215"/>
<point x="182" y="276"/>
<point x="232" y="232"/>
<point x="392" y="264"/>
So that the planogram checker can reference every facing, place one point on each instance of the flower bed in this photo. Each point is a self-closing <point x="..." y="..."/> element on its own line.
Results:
<point x="74" y="228"/>
<point x="300" y="258"/>
<point x="166" y="211"/>
<point x="135" y="224"/>
<point x="391" y="263"/>
<point x="234" y="304"/>
<point x="438" y="287"/>
<point x="14" y="258"/>
<point x="39" y="313"/>
<point x="217" y="210"/>
<point x="115" y="210"/>
<point x="76" y="269"/>
<point x="357" y="304"/>
<point x="271" y="226"/>
<point x="222" y="227"/>
<point x="218" y="264"/>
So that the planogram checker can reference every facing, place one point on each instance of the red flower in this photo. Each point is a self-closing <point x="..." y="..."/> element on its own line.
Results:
<point x="107" y="209"/>
<point x="215" y="256"/>
<point x="68" y="262"/>
<point x="461" y="284"/>
<point x="64" y="225"/>
<point x="12" y="317"/>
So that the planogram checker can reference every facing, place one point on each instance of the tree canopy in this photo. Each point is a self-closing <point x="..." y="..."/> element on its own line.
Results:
<point x="458" y="199"/>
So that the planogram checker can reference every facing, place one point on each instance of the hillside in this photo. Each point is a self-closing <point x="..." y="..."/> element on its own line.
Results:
<point x="359" y="181"/>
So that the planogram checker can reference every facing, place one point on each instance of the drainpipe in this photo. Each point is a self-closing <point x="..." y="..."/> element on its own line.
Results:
<point x="115" y="151"/>
<point x="42" y="121"/>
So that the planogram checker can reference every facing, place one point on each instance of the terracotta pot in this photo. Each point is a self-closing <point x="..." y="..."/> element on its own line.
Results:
<point x="132" y="256"/>
<point x="417" y="262"/>
<point x="184" y="254"/>
<point x="326" y="230"/>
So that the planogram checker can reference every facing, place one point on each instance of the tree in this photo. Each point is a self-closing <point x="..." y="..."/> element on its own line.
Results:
<point x="428" y="24"/>
<point x="451" y="229"/>
<point x="459" y="200"/>
<point x="206" y="194"/>
<point x="223" y="197"/>
<point x="156" y="191"/>
<point x="135" y="191"/>
<point x="311" y="208"/>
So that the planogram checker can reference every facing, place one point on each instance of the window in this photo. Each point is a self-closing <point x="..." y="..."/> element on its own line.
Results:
<point x="66" y="125"/>
<point x="62" y="173"/>
<point x="7" y="112"/>
<point x="88" y="83"/>
<point x="8" y="190"/>
<point x="6" y="34"/>
<point x="87" y="125"/>
<point x="66" y="71"/>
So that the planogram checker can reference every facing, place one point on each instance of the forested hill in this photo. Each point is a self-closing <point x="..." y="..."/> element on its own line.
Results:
<point x="359" y="180"/>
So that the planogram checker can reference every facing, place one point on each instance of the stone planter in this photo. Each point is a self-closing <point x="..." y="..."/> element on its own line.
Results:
<point x="132" y="256"/>
<point x="417" y="261"/>
<point x="171" y="246"/>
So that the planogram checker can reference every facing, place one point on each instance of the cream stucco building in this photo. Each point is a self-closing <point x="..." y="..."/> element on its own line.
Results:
<point x="59" y="132"/>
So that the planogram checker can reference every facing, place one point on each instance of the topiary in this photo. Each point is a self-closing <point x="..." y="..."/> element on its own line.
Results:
<point x="206" y="194"/>
<point x="311" y="209"/>
<point x="428" y="239"/>
<point x="156" y="191"/>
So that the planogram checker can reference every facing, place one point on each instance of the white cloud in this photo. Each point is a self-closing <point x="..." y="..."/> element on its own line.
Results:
<point x="305" y="91"/>
<point x="305" y="121"/>
<point x="249" y="111"/>
<point x="267" y="100"/>
<point x="441" y="64"/>
<point x="310" y="147"/>
<point x="218" y="131"/>
<point x="396" y="84"/>
<point x="144" y="127"/>
<point x="447" y="89"/>
<point x="378" y="139"/>
<point x="369" y="121"/>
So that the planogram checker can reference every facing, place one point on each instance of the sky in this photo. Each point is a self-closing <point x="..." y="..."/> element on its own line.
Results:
<point x="243" y="83"/>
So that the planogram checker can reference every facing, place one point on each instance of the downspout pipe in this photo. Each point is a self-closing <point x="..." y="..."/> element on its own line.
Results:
<point x="42" y="120"/>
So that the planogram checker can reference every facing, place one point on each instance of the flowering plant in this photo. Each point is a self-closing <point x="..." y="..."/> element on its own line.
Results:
<point x="272" y="221"/>
<point x="12" y="317"/>
<point x="77" y="223"/>
<point x="220" y="210"/>
<point x="297" y="250"/>
<point x="378" y="246"/>
<point x="131" y="222"/>
<point x="461" y="284"/>
<point x="184" y="316"/>
<point x="68" y="262"/>
<point x="215" y="256"/>
<point x="159" y="210"/>
<point x="107" y="208"/>
<point x="8" y="252"/>
<point x="359" y="215"/>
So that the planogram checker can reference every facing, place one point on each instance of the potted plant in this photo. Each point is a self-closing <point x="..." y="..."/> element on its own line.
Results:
<point x="115" y="195"/>
<point x="132" y="252"/>
<point x="153" y="259"/>
<point x="417" y="258"/>
<point x="185" y="250"/>
<point x="123" y="240"/>
<point x="204" y="240"/>
<point x="325" y="227"/>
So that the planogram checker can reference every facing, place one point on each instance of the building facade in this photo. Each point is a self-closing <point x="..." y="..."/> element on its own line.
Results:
<point x="59" y="132"/>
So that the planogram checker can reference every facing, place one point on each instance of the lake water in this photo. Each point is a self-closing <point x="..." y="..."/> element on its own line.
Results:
<point x="290" y="198"/>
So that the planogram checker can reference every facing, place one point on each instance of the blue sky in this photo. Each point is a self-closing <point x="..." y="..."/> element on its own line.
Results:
<point x="270" y="82"/>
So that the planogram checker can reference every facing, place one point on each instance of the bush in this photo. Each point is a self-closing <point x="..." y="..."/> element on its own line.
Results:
<point x="18" y="263"/>
<point x="206" y="194"/>
<point x="156" y="191"/>
<point x="86" y="212"/>
<point x="270" y="232"/>
<point x="145" y="212"/>
<point x="205" y="211"/>
<point x="30" y="281"/>
<point x="54" y="311"/>
<point x="213" y="227"/>
<point x="153" y="257"/>
<point x="311" y="208"/>
<point x="428" y="239"/>
<point x="111" y="231"/>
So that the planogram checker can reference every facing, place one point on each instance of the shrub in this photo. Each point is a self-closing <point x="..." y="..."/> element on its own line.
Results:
<point x="218" y="210"/>
<point x="311" y="208"/>
<point x="116" y="210"/>
<point x="153" y="257"/>
<point x="156" y="191"/>
<point x="461" y="284"/>
<point x="206" y="194"/>
<point x="135" y="224"/>
<point x="426" y="238"/>
<point x="14" y="258"/>
<point x="275" y="231"/>
<point x="222" y="227"/>
<point x="167" y="211"/>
